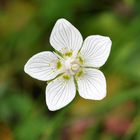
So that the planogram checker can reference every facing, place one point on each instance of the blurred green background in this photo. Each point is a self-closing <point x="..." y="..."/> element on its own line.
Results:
<point x="25" y="27"/>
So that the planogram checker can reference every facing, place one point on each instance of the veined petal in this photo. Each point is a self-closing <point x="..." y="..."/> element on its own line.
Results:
<point x="92" y="84"/>
<point x="95" y="50"/>
<point x="42" y="66"/>
<point x="65" y="37"/>
<point x="60" y="92"/>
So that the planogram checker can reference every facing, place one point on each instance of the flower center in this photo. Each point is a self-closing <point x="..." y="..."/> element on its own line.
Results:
<point x="75" y="67"/>
<point x="72" y="66"/>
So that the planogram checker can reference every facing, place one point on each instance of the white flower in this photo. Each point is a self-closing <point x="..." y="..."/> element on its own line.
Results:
<point x="72" y="66"/>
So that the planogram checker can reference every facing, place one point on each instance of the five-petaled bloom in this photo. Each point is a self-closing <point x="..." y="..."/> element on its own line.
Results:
<point x="73" y="66"/>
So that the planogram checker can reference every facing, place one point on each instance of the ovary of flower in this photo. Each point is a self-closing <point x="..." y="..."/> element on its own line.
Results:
<point x="75" y="60"/>
<point x="72" y="66"/>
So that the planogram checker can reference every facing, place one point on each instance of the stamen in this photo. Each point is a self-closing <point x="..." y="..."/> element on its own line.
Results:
<point x="58" y="65"/>
<point x="79" y="73"/>
<point x="80" y="59"/>
<point x="68" y="54"/>
<point x="66" y="77"/>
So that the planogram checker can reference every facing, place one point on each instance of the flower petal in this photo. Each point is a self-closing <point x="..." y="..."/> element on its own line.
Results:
<point x="42" y="66"/>
<point x="60" y="92"/>
<point x="95" y="50"/>
<point x="65" y="37"/>
<point x="92" y="84"/>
